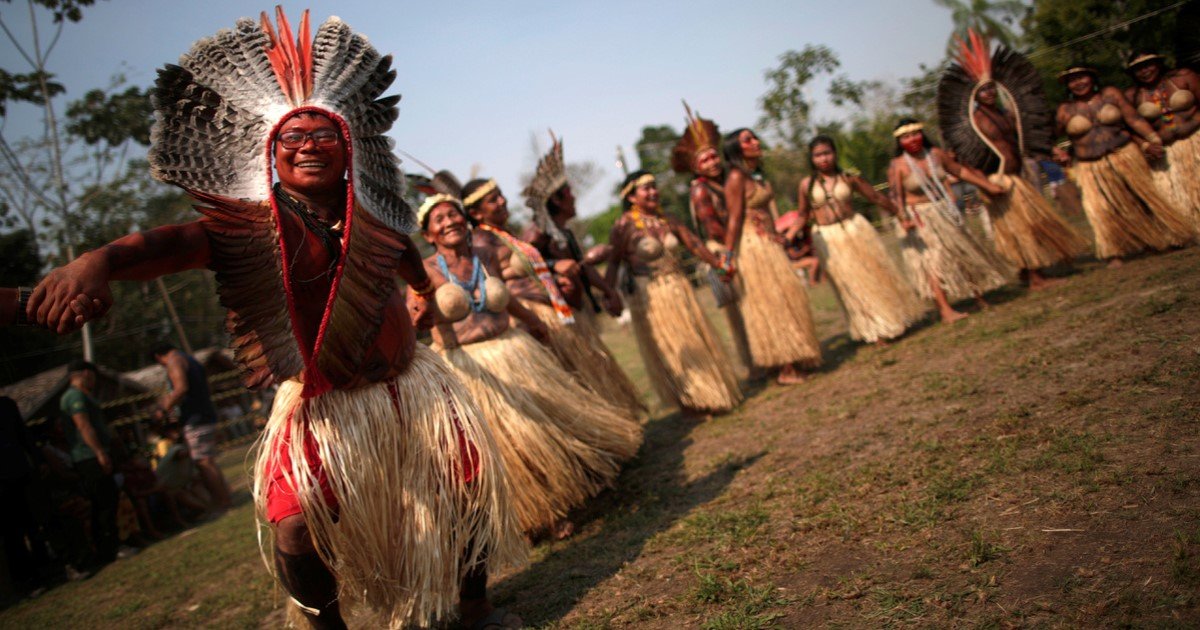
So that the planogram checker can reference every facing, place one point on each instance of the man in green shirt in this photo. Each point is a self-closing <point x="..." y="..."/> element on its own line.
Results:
<point x="89" y="441"/>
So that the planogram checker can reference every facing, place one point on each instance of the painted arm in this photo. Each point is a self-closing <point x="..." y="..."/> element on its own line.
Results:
<point x="412" y="271"/>
<point x="1134" y="120"/>
<point x="693" y="243"/>
<point x="526" y="316"/>
<point x="735" y="203"/>
<point x="706" y="214"/>
<point x="78" y="291"/>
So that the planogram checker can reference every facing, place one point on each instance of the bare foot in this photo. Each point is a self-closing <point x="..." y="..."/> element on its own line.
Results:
<point x="951" y="316"/>
<point x="982" y="303"/>
<point x="1114" y="263"/>
<point x="791" y="376"/>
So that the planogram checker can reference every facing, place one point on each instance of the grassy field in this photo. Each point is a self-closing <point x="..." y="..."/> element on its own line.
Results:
<point x="1035" y="465"/>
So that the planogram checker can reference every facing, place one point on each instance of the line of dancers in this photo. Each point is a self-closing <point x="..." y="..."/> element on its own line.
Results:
<point x="393" y="475"/>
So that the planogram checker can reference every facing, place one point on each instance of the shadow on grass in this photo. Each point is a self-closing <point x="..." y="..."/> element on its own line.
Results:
<point x="651" y="495"/>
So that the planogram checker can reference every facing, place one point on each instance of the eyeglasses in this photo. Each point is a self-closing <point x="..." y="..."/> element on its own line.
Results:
<point x="297" y="139"/>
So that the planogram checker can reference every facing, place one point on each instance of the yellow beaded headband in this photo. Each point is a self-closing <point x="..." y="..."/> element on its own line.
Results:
<point x="909" y="128"/>
<point x="480" y="193"/>
<point x="641" y="181"/>
<point x="431" y="202"/>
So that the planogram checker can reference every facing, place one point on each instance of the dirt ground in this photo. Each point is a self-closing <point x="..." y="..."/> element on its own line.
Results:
<point x="1035" y="465"/>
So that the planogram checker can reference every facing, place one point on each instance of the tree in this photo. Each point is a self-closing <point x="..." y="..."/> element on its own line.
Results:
<point x="993" y="19"/>
<point x="785" y="106"/>
<point x="1101" y="33"/>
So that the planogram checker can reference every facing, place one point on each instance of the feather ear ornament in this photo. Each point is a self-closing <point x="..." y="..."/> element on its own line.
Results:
<point x="549" y="176"/>
<point x="700" y="135"/>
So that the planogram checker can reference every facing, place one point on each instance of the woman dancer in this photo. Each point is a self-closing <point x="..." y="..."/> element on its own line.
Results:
<point x="560" y="443"/>
<point x="1167" y="100"/>
<point x="577" y="345"/>
<point x="779" y="323"/>
<point x="1127" y="212"/>
<point x="944" y="261"/>
<point x="379" y="480"/>
<point x="697" y="153"/>
<point x="993" y="114"/>
<point x="878" y="302"/>
<point x="683" y="358"/>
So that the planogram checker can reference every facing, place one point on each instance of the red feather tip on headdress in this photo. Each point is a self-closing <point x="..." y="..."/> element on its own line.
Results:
<point x="973" y="55"/>
<point x="292" y="62"/>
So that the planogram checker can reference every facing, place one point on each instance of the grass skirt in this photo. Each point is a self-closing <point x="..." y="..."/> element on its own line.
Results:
<point x="1127" y="212"/>
<point x="580" y="349"/>
<point x="878" y="301"/>
<point x="774" y="302"/>
<point x="937" y="247"/>
<point x="683" y="358"/>
<point x="406" y="527"/>
<point x="1027" y="231"/>
<point x="1178" y="175"/>
<point x="561" y="444"/>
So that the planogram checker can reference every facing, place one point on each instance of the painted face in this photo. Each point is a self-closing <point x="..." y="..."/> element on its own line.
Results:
<point x="446" y="227"/>
<point x="1081" y="83"/>
<point x="492" y="209"/>
<point x="311" y="167"/>
<point x="824" y="158"/>
<point x="912" y="142"/>
<point x="751" y="148"/>
<point x="645" y="197"/>
<point x="564" y="200"/>
<point x="987" y="94"/>
<point x="707" y="163"/>
<point x="1148" y="72"/>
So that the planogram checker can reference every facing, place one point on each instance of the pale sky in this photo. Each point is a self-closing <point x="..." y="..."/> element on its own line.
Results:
<point x="478" y="77"/>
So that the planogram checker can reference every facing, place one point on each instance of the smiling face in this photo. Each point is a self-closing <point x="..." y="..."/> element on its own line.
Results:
<point x="447" y="227"/>
<point x="751" y="148"/>
<point x="645" y="197"/>
<point x="311" y="168"/>
<point x="1148" y="72"/>
<point x="1081" y="83"/>
<point x="707" y="163"/>
<point x="492" y="209"/>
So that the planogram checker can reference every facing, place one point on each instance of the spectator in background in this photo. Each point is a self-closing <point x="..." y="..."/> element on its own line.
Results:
<point x="88" y="441"/>
<point x="18" y="459"/>
<point x="189" y="390"/>
<point x="64" y="511"/>
<point x="797" y="242"/>
<point x="175" y="473"/>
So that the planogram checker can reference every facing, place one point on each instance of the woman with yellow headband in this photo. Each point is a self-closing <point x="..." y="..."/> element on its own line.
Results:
<point x="1127" y="212"/>
<point x="944" y="261"/>
<point x="560" y="443"/>
<point x="1167" y="100"/>
<point x="683" y="358"/>
<point x="779" y="323"/>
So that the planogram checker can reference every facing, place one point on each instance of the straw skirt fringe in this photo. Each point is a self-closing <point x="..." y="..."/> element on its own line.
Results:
<point x="683" y="358"/>
<point x="561" y="444"/>
<point x="878" y="301"/>
<point x="774" y="303"/>
<point x="406" y="527"/>
<point x="1027" y="232"/>
<point x="578" y="347"/>
<point x="963" y="265"/>
<point x="1178" y="176"/>
<point x="1127" y="212"/>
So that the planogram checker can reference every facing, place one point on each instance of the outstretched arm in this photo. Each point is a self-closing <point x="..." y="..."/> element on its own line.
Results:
<point x="967" y="174"/>
<point x="78" y="291"/>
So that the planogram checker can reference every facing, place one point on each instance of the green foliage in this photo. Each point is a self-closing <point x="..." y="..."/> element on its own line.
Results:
<point x="70" y="10"/>
<point x="654" y="155"/>
<point x="993" y="19"/>
<point x="112" y="118"/>
<point x="1053" y="26"/>
<point x="599" y="226"/>
<point x="785" y="106"/>
<point x="25" y="88"/>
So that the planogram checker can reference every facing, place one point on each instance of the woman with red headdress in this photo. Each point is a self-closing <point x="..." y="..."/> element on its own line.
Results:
<point x="1127" y="212"/>
<point x="379" y="480"/>
<point x="993" y="115"/>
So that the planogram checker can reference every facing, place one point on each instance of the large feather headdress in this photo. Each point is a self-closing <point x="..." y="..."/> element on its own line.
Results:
<point x="701" y="134"/>
<point x="217" y="113"/>
<point x="1020" y="90"/>
<point x="550" y="175"/>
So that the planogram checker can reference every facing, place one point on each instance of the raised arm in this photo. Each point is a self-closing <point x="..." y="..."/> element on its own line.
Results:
<point x="78" y="292"/>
